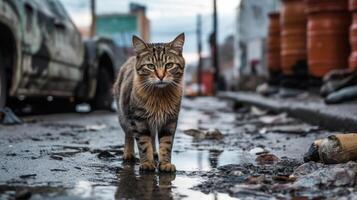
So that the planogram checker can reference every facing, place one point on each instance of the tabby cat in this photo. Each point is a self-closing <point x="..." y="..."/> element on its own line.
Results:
<point x="148" y="90"/>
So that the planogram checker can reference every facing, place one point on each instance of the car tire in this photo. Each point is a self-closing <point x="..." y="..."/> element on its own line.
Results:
<point x="3" y="82"/>
<point x="103" y="98"/>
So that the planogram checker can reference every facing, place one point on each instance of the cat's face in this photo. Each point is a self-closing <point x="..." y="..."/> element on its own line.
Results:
<point x="159" y="65"/>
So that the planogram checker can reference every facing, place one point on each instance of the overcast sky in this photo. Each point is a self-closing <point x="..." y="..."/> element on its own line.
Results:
<point x="168" y="18"/>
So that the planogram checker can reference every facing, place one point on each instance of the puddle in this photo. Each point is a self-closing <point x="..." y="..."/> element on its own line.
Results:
<point x="146" y="186"/>
<point x="205" y="160"/>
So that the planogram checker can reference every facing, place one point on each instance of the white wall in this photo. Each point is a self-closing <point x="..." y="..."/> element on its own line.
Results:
<point x="251" y="32"/>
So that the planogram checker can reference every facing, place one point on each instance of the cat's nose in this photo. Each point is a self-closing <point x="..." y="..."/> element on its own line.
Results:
<point x="160" y="74"/>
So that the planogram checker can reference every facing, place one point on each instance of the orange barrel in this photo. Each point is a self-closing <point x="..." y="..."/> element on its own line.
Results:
<point x="293" y="35"/>
<point x="328" y="25"/>
<point x="353" y="36"/>
<point x="273" y="42"/>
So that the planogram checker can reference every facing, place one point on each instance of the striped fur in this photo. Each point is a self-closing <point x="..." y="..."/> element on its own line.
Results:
<point x="149" y="90"/>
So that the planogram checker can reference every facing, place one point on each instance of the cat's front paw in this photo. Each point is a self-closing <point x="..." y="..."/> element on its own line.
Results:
<point x="147" y="166"/>
<point x="128" y="157"/>
<point x="167" y="167"/>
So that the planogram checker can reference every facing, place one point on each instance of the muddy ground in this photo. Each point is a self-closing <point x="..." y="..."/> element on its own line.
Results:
<point x="221" y="150"/>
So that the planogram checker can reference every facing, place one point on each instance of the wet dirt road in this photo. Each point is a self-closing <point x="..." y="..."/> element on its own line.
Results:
<point x="221" y="151"/>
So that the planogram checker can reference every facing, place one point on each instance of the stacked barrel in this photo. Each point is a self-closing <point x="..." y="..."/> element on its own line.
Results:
<point x="318" y="33"/>
<point x="273" y="44"/>
<point x="293" y="35"/>
<point x="327" y="33"/>
<point x="353" y="36"/>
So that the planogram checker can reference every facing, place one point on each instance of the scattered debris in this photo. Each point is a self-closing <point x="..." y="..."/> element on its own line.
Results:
<point x="260" y="178"/>
<point x="267" y="159"/>
<point x="275" y="119"/>
<point x="241" y="190"/>
<point x="345" y="94"/>
<point x="105" y="155"/>
<point x="313" y="152"/>
<point x="8" y="117"/>
<point x="202" y="135"/>
<point x="293" y="129"/>
<point x="96" y="127"/>
<point x="339" y="148"/>
<point x="258" y="150"/>
<point x="315" y="174"/>
<point x="56" y="157"/>
<point x="28" y="176"/>
<point x="257" y="111"/>
<point x="58" y="170"/>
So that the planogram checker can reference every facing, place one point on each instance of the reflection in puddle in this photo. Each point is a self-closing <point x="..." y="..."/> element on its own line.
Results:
<point x="204" y="160"/>
<point x="134" y="185"/>
<point x="183" y="184"/>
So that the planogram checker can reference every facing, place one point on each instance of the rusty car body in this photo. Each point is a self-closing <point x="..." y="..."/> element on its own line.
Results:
<point x="42" y="54"/>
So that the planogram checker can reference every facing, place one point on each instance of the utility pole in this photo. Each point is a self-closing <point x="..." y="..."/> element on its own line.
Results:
<point x="199" y="50"/>
<point x="94" y="18"/>
<point x="214" y="49"/>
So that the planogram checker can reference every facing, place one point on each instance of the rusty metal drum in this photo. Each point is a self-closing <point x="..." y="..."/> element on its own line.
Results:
<point x="353" y="36"/>
<point x="293" y="35"/>
<point x="273" y="43"/>
<point x="327" y="35"/>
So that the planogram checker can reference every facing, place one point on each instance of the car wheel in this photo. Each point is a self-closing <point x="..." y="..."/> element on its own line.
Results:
<point x="103" y="98"/>
<point x="3" y="87"/>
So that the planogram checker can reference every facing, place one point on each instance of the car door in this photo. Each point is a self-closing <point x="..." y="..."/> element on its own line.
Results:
<point x="35" y="28"/>
<point x="65" y="72"/>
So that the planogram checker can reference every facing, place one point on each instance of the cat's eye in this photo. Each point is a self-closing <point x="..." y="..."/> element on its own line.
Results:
<point x="169" y="65"/>
<point x="151" y="66"/>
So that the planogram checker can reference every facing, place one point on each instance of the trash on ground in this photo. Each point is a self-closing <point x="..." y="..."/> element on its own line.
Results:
<point x="105" y="155"/>
<point x="293" y="129"/>
<point x="338" y="148"/>
<point x="8" y="117"/>
<point x="275" y="119"/>
<point x="267" y="159"/>
<point x="96" y="127"/>
<point x="258" y="151"/>
<point x="342" y="95"/>
<point x="257" y="111"/>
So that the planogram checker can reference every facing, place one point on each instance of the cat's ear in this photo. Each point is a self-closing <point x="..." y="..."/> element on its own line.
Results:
<point x="138" y="44"/>
<point x="178" y="42"/>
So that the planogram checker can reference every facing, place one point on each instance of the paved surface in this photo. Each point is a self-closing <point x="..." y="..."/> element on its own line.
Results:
<point x="79" y="156"/>
<point x="312" y="109"/>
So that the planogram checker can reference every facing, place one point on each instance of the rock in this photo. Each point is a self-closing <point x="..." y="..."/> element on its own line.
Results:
<point x="214" y="135"/>
<point x="328" y="175"/>
<point x="267" y="159"/>
<point x="255" y="179"/>
<point x="105" y="154"/>
<point x="197" y="134"/>
<point x="249" y="191"/>
<point x="305" y="169"/>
